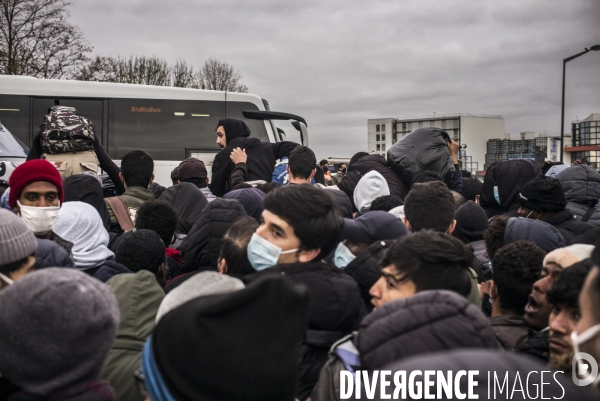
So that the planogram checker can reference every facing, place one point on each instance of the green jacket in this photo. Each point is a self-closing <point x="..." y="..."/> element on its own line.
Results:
<point x="133" y="197"/>
<point x="139" y="295"/>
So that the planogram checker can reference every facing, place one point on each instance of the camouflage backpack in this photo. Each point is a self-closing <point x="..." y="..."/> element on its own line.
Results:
<point x="66" y="131"/>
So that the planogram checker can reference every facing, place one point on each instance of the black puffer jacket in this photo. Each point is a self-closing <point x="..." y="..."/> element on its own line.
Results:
<point x="508" y="177"/>
<point x="365" y="269"/>
<point x="568" y="225"/>
<point x="188" y="201"/>
<point x="336" y="310"/>
<point x="262" y="157"/>
<point x="200" y="249"/>
<point x="50" y="254"/>
<point x="362" y="166"/>
<point x="581" y="184"/>
<point x="429" y="321"/>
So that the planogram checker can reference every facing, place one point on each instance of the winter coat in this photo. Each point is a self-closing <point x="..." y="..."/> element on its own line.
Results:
<point x="362" y="166"/>
<point x="343" y="202"/>
<point x="139" y="295"/>
<point x="581" y="184"/>
<point x="568" y="225"/>
<point x="133" y="197"/>
<point x="200" y="249"/>
<point x="93" y="390"/>
<point x="188" y="201"/>
<point x="538" y="346"/>
<point x="429" y="321"/>
<point x="511" y="331"/>
<point x="365" y="269"/>
<point x="539" y="232"/>
<point x="262" y="157"/>
<point x="50" y="254"/>
<point x="508" y="177"/>
<point x="85" y="188"/>
<point x="110" y="269"/>
<point x="336" y="310"/>
<point x="207" y="194"/>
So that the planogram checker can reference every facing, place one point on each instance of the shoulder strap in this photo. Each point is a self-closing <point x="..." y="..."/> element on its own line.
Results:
<point x="588" y="214"/>
<point x="120" y="211"/>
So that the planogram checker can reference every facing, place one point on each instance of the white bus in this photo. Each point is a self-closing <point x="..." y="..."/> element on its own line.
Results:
<point x="169" y="123"/>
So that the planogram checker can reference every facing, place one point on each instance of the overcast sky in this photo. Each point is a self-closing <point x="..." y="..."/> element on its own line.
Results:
<point x="339" y="63"/>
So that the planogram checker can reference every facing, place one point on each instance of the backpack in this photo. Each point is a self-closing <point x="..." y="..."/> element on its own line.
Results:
<point x="66" y="131"/>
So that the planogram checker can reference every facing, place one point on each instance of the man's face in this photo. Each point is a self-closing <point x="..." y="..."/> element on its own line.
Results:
<point x="538" y="308"/>
<point x="278" y="232"/>
<point x="325" y="167"/>
<point x="342" y="168"/>
<point x="588" y="303"/>
<point x="527" y="213"/>
<point x="28" y="267"/>
<point x="390" y="287"/>
<point x="38" y="194"/>
<point x="221" y="140"/>
<point x="563" y="320"/>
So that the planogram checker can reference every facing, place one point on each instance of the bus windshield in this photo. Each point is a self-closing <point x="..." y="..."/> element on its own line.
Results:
<point x="9" y="146"/>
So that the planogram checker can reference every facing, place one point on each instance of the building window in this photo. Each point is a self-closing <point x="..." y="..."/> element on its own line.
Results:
<point x="378" y="147"/>
<point x="383" y="147"/>
<point x="443" y="124"/>
<point x="377" y="128"/>
<point x="420" y="124"/>
<point x="383" y="137"/>
<point x="394" y="138"/>
<point x="377" y="137"/>
<point x="383" y="127"/>
<point x="403" y="126"/>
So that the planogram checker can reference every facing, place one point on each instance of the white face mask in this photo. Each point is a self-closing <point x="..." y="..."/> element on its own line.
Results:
<point x="6" y="279"/>
<point x="578" y="339"/>
<point x="39" y="219"/>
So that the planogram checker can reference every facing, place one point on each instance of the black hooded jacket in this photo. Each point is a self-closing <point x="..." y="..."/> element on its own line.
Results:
<point x="85" y="188"/>
<point x="262" y="156"/>
<point x="360" y="167"/>
<point x="508" y="177"/>
<point x="188" y="201"/>
<point x="568" y="225"/>
<point x="429" y="321"/>
<point x="581" y="184"/>
<point x="200" y="249"/>
<point x="365" y="269"/>
<point x="336" y="310"/>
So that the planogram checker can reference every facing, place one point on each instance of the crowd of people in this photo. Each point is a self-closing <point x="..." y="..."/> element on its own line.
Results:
<point x="268" y="279"/>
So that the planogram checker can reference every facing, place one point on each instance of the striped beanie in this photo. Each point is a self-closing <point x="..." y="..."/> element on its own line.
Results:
<point x="17" y="241"/>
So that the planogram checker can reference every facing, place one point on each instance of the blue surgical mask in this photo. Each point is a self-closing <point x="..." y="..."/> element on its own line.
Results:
<point x="262" y="254"/>
<point x="343" y="256"/>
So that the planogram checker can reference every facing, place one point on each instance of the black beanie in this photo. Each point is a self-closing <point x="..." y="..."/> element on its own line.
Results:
<point x="237" y="346"/>
<point x="543" y="194"/>
<point x="234" y="128"/>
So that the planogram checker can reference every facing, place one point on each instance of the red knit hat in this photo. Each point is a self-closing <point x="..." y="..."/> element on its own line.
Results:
<point x="32" y="171"/>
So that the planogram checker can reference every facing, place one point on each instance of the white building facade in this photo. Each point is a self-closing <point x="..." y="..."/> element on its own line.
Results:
<point x="467" y="129"/>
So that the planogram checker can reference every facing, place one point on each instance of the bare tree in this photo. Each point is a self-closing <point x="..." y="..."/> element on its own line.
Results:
<point x="37" y="40"/>
<point x="218" y="75"/>
<point x="139" y="70"/>
<point x="183" y="75"/>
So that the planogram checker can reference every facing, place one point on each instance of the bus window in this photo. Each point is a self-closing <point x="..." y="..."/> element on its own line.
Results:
<point x="257" y="127"/>
<point x="88" y="108"/>
<point x="14" y="115"/>
<point x="163" y="128"/>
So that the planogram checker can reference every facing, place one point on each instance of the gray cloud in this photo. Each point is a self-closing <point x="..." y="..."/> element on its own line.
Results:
<point x="338" y="63"/>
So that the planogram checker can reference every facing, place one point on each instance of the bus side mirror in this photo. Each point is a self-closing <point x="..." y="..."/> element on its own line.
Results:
<point x="281" y="133"/>
<point x="300" y="126"/>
